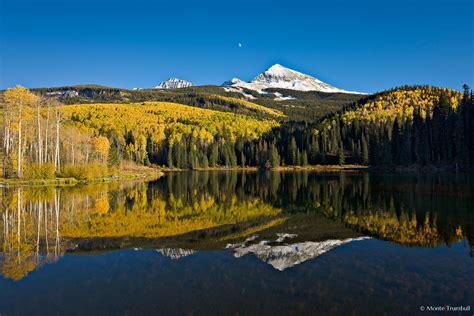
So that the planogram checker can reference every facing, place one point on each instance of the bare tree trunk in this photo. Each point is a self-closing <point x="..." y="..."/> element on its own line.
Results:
<point x="46" y="228"/>
<point x="56" y="206"/>
<point x="40" y="208"/>
<point x="46" y="138"/>
<point x="18" y="209"/>
<point x="7" y="212"/>
<point x="19" y="150"/>
<point x="73" y="158"/>
<point x="5" y="230"/>
<point x="40" y="144"/>
<point x="4" y="151"/>
<point x="57" y="165"/>
<point x="6" y="141"/>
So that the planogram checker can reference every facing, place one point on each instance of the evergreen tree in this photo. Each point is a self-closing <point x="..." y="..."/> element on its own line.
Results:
<point x="114" y="157"/>
<point x="386" y="147"/>
<point x="242" y="159"/>
<point x="169" y="159"/>
<point x="214" y="155"/>
<point x="293" y="152"/>
<point x="396" y="143"/>
<point x="205" y="161"/>
<point x="299" y="161"/>
<point x="274" y="157"/>
<point x="365" y="150"/>
<point x="314" y="151"/>
<point x="304" y="158"/>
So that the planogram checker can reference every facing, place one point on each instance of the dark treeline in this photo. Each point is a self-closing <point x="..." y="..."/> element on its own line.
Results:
<point x="444" y="136"/>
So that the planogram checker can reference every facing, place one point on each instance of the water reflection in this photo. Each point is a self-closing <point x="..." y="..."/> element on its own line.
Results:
<point x="283" y="218"/>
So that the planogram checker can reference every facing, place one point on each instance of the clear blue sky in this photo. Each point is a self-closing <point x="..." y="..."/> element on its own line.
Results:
<point x="355" y="45"/>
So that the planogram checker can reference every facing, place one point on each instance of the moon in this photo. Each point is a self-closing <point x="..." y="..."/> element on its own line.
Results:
<point x="240" y="45"/>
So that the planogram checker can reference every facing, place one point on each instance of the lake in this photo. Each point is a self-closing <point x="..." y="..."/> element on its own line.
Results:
<point x="231" y="243"/>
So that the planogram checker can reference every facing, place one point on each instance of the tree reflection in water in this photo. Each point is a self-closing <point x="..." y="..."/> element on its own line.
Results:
<point x="208" y="210"/>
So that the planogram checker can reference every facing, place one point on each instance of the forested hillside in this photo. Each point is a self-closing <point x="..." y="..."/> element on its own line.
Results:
<point x="407" y="126"/>
<point x="42" y="138"/>
<point x="295" y="105"/>
<point x="419" y="125"/>
<point x="168" y="133"/>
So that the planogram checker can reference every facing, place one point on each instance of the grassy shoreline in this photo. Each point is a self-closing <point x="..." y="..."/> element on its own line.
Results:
<point x="123" y="175"/>
<point x="281" y="168"/>
<point x="322" y="168"/>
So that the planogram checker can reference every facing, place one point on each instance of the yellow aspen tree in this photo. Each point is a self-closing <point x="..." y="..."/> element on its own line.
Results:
<point x="19" y="100"/>
<point x="102" y="146"/>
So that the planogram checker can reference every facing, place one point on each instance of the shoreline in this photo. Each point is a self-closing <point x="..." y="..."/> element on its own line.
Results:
<point x="155" y="173"/>
<point x="65" y="182"/>
<point x="281" y="168"/>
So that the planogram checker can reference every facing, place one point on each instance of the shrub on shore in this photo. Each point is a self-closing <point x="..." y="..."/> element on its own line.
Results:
<point x="39" y="171"/>
<point x="86" y="171"/>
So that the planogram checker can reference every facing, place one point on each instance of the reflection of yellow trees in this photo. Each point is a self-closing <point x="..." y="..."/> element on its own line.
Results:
<point x="30" y="221"/>
<point x="404" y="230"/>
<point x="159" y="219"/>
<point x="352" y="202"/>
<point x="18" y="259"/>
<point x="256" y="229"/>
<point x="118" y="210"/>
<point x="102" y="205"/>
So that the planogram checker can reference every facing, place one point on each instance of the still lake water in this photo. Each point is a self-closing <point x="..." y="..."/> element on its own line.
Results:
<point x="240" y="243"/>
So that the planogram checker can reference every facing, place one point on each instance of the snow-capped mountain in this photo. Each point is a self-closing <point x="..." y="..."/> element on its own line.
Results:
<point x="174" y="83"/>
<point x="281" y="77"/>
<point x="284" y="256"/>
<point x="176" y="253"/>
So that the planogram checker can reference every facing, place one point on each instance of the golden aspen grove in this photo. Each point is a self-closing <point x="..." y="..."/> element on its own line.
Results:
<point x="45" y="138"/>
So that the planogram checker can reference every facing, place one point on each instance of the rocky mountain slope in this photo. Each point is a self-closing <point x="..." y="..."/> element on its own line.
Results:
<point x="174" y="83"/>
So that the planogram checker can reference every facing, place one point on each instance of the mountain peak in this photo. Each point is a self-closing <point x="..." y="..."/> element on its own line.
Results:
<point x="233" y="81"/>
<point x="174" y="83"/>
<point x="277" y="67"/>
<point x="280" y="77"/>
<point x="279" y="70"/>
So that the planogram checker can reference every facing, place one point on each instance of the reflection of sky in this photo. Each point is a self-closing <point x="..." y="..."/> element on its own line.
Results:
<point x="366" y="277"/>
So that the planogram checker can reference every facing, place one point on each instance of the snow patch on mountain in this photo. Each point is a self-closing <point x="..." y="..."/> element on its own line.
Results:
<point x="281" y="97"/>
<point x="281" y="77"/>
<point x="283" y="237"/>
<point x="174" y="83"/>
<point x="239" y="90"/>
<point x="63" y="94"/>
